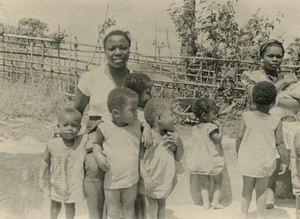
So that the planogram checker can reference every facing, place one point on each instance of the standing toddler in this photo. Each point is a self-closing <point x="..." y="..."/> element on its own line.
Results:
<point x="259" y="143"/>
<point x="64" y="157"/>
<point x="205" y="157"/>
<point x="158" y="166"/>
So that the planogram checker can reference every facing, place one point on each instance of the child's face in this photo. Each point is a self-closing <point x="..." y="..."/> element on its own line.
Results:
<point x="167" y="119"/>
<point x="145" y="96"/>
<point x="128" y="115"/>
<point x="211" y="116"/>
<point x="69" y="126"/>
<point x="272" y="57"/>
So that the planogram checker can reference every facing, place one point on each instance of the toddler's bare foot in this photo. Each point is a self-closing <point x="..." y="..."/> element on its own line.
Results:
<point x="217" y="206"/>
<point x="206" y="206"/>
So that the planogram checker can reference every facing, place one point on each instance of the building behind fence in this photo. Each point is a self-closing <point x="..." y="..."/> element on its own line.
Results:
<point x="30" y="60"/>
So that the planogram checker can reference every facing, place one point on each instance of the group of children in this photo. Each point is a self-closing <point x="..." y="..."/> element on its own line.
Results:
<point x="148" y="173"/>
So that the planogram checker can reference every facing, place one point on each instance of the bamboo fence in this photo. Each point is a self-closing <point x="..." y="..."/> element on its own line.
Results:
<point x="31" y="59"/>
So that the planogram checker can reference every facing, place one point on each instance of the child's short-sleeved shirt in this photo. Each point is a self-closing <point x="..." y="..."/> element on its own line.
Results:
<point x="121" y="145"/>
<point x="258" y="153"/>
<point x="204" y="156"/>
<point x="67" y="169"/>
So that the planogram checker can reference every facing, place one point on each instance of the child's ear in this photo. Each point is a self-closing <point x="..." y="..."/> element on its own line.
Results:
<point x="204" y="115"/>
<point x="115" y="112"/>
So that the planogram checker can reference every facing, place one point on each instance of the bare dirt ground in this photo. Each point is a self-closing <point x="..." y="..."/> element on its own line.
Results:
<point x="21" y="146"/>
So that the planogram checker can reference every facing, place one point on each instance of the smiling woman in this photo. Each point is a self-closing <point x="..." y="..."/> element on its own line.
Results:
<point x="93" y="89"/>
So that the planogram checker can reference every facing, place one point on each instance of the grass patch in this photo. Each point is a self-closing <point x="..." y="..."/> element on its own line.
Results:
<point x="40" y="100"/>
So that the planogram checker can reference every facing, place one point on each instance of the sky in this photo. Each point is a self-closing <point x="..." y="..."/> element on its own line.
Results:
<point x="141" y="17"/>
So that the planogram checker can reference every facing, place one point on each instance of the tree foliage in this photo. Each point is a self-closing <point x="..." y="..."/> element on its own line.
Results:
<point x="219" y="33"/>
<point x="32" y="27"/>
<point x="294" y="51"/>
<point x="185" y="23"/>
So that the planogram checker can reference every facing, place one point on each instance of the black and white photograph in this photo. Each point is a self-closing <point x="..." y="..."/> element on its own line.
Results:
<point x="139" y="109"/>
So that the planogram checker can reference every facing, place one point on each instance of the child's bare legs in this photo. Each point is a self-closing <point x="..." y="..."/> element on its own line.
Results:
<point x="93" y="184"/>
<point x="248" y="186"/>
<point x="55" y="208"/>
<point x="112" y="203"/>
<point x="272" y="186"/>
<point x="139" y="206"/>
<point x="297" y="207"/>
<point x="261" y="195"/>
<point x="70" y="210"/>
<point x="204" y="184"/>
<point x="93" y="187"/>
<point x="217" y="190"/>
<point x="161" y="214"/>
<point x="151" y="208"/>
<point x="118" y="200"/>
<point x="127" y="201"/>
<point x="195" y="189"/>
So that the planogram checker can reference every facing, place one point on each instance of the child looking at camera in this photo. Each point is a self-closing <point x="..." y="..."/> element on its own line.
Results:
<point x="64" y="157"/>
<point x="117" y="152"/>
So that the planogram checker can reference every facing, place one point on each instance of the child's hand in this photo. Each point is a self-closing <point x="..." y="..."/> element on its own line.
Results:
<point x="147" y="137"/>
<point x="174" y="138"/>
<point x="167" y="144"/>
<point x="104" y="163"/>
<point x="149" y="183"/>
<point x="42" y="185"/>
<point x="283" y="168"/>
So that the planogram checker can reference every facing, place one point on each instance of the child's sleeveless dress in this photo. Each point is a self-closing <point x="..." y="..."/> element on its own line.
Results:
<point x="258" y="153"/>
<point x="160" y="165"/>
<point x="67" y="170"/>
<point x="121" y="145"/>
<point x="204" y="157"/>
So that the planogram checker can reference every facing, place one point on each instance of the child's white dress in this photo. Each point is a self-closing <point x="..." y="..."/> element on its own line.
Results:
<point x="204" y="156"/>
<point x="258" y="153"/>
<point x="67" y="170"/>
<point x="160" y="166"/>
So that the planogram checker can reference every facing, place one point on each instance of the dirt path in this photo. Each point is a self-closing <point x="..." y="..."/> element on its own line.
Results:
<point x="21" y="145"/>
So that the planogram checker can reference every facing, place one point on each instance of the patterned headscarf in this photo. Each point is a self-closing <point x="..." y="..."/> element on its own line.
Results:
<point x="264" y="46"/>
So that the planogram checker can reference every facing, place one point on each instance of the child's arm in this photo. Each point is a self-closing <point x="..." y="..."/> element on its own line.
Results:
<point x="173" y="137"/>
<point x="240" y="134"/>
<point x="297" y="150"/>
<point x="146" y="134"/>
<point x="217" y="134"/>
<point x="149" y="183"/>
<point x="281" y="149"/>
<point x="101" y="160"/>
<point x="45" y="163"/>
